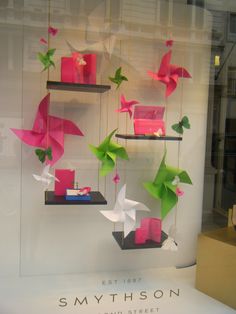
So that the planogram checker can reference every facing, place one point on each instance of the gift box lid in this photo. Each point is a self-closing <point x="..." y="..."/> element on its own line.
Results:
<point x="149" y="112"/>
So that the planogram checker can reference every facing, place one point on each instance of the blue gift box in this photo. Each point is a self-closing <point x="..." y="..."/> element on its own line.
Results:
<point x="78" y="197"/>
<point x="85" y="197"/>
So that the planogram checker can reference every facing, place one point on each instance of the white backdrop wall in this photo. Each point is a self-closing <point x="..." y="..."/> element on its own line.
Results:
<point x="39" y="239"/>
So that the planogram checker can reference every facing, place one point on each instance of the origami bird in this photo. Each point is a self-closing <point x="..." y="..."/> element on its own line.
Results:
<point x="162" y="187"/>
<point x="46" y="178"/>
<point x="118" y="78"/>
<point x="46" y="59"/>
<point x="107" y="152"/>
<point x="124" y="211"/>
<point x="169" y="74"/>
<point x="48" y="131"/>
<point x="179" y="127"/>
<point x="126" y="105"/>
<point x="43" y="154"/>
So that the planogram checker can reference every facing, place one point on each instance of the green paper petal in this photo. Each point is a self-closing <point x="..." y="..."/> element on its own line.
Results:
<point x="152" y="189"/>
<point x="99" y="154"/>
<point x="184" y="177"/>
<point x="107" y="166"/>
<point x="112" y="156"/>
<point x="121" y="152"/>
<point x="168" y="201"/>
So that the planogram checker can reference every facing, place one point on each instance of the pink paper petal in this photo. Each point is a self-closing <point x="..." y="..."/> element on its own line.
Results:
<point x="116" y="178"/>
<point x="43" y="41"/>
<point x="179" y="192"/>
<point x="52" y="31"/>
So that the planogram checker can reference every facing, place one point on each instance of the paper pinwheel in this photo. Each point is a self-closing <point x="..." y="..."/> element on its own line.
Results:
<point x="118" y="78"/>
<point x="46" y="58"/>
<point x="124" y="211"/>
<point x="107" y="152"/>
<point x="179" y="127"/>
<point x="126" y="105"/>
<point x="164" y="187"/>
<point x="169" y="74"/>
<point x="43" y="154"/>
<point x="48" y="131"/>
<point x="46" y="178"/>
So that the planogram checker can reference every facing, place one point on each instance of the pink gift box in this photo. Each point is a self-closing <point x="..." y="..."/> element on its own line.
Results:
<point x="66" y="179"/>
<point x="150" y="229"/>
<point x="148" y="120"/>
<point x="73" y="72"/>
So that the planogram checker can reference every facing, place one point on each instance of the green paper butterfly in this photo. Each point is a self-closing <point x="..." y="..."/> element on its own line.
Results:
<point x="46" y="58"/>
<point x="179" y="127"/>
<point x="164" y="186"/>
<point x="118" y="78"/>
<point x="42" y="154"/>
<point x="107" y="152"/>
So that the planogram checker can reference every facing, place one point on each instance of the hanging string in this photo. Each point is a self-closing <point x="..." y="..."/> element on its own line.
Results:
<point x="99" y="138"/>
<point x="48" y="73"/>
<point x="179" y="143"/>
<point x="48" y="35"/>
<point x="21" y="150"/>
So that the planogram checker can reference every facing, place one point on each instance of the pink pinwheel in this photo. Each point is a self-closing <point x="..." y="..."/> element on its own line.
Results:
<point x="48" y="131"/>
<point x="53" y="31"/>
<point x="169" y="73"/>
<point x="126" y="105"/>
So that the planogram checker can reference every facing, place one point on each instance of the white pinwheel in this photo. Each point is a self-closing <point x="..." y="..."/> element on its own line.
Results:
<point x="124" y="211"/>
<point x="45" y="178"/>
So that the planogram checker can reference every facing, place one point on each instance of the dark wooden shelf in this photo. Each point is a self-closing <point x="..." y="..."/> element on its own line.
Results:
<point x="52" y="199"/>
<point x="90" y="88"/>
<point x="128" y="242"/>
<point x="149" y="137"/>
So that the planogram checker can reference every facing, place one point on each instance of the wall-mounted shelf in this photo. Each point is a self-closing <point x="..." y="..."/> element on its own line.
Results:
<point x="128" y="242"/>
<point x="76" y="87"/>
<point x="149" y="137"/>
<point x="52" y="199"/>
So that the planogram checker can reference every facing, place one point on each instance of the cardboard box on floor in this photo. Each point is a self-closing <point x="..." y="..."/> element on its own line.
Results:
<point x="216" y="265"/>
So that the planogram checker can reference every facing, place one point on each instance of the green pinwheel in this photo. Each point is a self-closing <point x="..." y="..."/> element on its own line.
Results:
<point x="42" y="154"/>
<point x="165" y="186"/>
<point x="179" y="127"/>
<point x="118" y="78"/>
<point x="107" y="152"/>
<point x="46" y="58"/>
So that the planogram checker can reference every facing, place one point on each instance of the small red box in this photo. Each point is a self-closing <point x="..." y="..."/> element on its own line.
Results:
<point x="73" y="72"/>
<point x="148" y="120"/>
<point x="150" y="229"/>
<point x="66" y="179"/>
